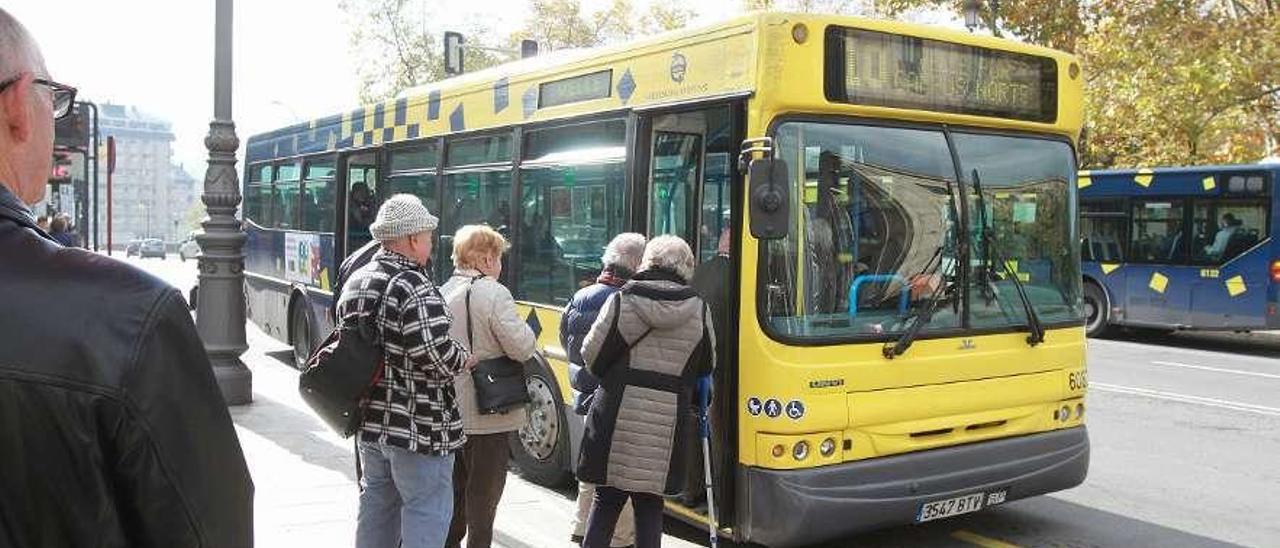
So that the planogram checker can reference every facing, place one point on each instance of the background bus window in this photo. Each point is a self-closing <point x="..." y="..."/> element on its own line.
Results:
<point x="489" y="149"/>
<point x="1224" y="228"/>
<point x="677" y="160"/>
<point x="571" y="204"/>
<point x="318" y="200"/>
<point x="1158" y="235"/>
<point x="1104" y="229"/>
<point x="284" y="198"/>
<point x="362" y="198"/>
<point x="257" y="196"/>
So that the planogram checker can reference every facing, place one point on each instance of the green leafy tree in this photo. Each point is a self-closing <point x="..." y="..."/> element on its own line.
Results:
<point x="397" y="48"/>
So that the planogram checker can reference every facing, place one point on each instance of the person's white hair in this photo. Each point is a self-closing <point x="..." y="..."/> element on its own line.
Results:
<point x="624" y="251"/>
<point x="18" y="51"/>
<point x="669" y="253"/>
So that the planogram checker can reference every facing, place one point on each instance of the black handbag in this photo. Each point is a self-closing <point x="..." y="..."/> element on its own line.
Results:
<point x="342" y="370"/>
<point x="500" y="383"/>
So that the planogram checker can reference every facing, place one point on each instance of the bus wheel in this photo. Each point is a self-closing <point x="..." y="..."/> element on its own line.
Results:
<point x="541" y="447"/>
<point x="300" y="327"/>
<point x="1097" y="315"/>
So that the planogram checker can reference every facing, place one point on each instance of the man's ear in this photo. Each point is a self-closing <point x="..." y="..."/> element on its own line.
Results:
<point x="15" y="105"/>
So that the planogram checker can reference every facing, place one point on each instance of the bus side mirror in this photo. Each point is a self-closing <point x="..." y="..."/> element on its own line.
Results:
<point x="770" y="198"/>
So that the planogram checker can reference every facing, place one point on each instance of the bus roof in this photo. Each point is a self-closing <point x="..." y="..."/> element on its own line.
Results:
<point x="1182" y="170"/>
<point x="717" y="60"/>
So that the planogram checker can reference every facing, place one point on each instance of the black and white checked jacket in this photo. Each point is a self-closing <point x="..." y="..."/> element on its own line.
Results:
<point x="414" y="406"/>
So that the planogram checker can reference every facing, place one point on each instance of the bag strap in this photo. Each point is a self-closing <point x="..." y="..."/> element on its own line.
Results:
<point x="471" y="341"/>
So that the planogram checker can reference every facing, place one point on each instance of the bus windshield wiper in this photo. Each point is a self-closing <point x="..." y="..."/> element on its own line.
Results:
<point x="921" y="315"/>
<point x="1033" y="319"/>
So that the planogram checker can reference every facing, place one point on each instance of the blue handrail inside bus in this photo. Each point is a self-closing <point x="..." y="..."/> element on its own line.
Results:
<point x="904" y="296"/>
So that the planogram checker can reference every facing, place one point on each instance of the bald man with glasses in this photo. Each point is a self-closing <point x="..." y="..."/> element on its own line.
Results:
<point x="112" y="430"/>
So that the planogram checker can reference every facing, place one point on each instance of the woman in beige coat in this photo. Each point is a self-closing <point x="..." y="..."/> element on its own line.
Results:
<point x="480" y="471"/>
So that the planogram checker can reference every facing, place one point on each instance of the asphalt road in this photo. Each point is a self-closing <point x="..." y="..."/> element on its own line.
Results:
<point x="1185" y="431"/>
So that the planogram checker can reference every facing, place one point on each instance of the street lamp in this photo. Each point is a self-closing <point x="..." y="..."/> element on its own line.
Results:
<point x="971" y="9"/>
<point x="220" y="302"/>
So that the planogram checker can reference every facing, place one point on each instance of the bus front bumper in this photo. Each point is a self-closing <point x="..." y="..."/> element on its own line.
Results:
<point x="797" y="507"/>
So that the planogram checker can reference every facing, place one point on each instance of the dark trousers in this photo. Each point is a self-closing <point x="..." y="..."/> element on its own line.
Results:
<point x="479" y="475"/>
<point x="604" y="516"/>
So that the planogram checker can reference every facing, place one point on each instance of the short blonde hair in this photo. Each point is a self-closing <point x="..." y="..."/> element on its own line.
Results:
<point x="474" y="242"/>
<point x="671" y="253"/>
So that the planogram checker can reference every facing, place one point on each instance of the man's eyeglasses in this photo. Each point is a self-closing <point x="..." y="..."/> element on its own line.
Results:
<point x="63" y="96"/>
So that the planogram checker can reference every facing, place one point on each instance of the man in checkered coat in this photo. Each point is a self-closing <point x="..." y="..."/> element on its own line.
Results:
<point x="412" y="426"/>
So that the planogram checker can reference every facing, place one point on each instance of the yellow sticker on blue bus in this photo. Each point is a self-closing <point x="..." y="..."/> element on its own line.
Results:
<point x="1158" y="282"/>
<point x="1143" y="177"/>
<point x="1235" y="285"/>
<point x="1209" y="183"/>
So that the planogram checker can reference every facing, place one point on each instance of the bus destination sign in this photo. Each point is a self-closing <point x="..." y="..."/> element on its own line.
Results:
<point x="874" y="68"/>
<point x="586" y="87"/>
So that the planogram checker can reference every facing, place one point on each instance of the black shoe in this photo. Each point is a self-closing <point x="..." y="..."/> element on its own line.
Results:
<point x="576" y="539"/>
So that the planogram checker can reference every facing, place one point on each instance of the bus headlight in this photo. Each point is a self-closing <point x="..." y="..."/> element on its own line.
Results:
<point x="1079" y="410"/>
<point x="827" y="448"/>
<point x="1064" y="414"/>
<point x="778" y="451"/>
<point x="801" y="450"/>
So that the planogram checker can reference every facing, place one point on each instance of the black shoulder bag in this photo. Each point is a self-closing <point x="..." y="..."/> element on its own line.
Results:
<point x="500" y="382"/>
<point x="339" y="375"/>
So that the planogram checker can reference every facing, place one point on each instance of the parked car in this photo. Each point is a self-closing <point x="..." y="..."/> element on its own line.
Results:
<point x="132" y="248"/>
<point x="189" y="249"/>
<point x="152" y="247"/>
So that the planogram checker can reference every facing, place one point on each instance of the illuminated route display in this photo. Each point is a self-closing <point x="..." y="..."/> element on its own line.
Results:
<point x="874" y="68"/>
<point x="595" y="85"/>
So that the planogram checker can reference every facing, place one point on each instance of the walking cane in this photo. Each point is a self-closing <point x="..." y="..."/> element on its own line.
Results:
<point x="704" y="426"/>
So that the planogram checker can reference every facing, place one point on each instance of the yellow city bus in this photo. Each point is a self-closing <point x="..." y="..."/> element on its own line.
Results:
<point x="903" y="338"/>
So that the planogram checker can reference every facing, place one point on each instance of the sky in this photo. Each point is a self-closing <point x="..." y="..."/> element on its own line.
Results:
<point x="293" y="59"/>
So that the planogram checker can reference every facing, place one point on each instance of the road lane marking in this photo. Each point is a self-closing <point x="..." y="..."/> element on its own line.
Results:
<point x="985" y="542"/>
<point x="1184" y="398"/>
<point x="1218" y="369"/>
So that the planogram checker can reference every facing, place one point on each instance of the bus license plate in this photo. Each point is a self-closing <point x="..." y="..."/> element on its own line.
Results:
<point x="939" y="509"/>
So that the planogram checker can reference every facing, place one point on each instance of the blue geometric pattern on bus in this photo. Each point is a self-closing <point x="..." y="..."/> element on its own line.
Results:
<point x="500" y="98"/>
<point x="379" y="112"/>
<point x="413" y="131"/>
<point x="626" y="86"/>
<point x="402" y="111"/>
<point x="433" y="105"/>
<point x="457" y="122"/>
<point x="357" y="121"/>
<point x="530" y="100"/>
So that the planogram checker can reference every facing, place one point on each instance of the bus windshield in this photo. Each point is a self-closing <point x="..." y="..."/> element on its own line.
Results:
<point x="876" y="225"/>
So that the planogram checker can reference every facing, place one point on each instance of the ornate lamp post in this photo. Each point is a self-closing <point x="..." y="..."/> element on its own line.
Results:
<point x="220" y="316"/>
<point x="971" y="9"/>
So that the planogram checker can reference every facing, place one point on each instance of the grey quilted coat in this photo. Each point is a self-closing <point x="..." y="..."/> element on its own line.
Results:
<point x="650" y="343"/>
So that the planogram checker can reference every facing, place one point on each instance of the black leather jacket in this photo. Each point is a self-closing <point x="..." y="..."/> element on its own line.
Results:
<point x="112" y="430"/>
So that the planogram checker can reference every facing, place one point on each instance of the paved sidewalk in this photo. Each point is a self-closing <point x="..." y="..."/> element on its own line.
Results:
<point x="305" y="474"/>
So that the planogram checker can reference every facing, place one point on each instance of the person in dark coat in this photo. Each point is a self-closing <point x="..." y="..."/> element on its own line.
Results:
<point x="621" y="259"/>
<point x="114" y="431"/>
<point x="649" y="346"/>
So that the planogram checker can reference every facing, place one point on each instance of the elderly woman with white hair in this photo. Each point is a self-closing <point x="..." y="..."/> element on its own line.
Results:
<point x="650" y="344"/>
<point x="621" y="261"/>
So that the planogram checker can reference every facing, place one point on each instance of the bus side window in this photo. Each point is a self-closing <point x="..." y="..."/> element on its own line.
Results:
<point x="1157" y="232"/>
<point x="1226" y="227"/>
<point x="318" y="195"/>
<point x="571" y="204"/>
<point x="1103" y="227"/>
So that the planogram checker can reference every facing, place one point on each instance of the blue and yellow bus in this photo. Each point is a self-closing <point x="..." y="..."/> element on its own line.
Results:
<point x="902" y="317"/>
<point x="1185" y="248"/>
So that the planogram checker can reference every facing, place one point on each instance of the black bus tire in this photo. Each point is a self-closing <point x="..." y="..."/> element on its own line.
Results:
<point x="301" y="333"/>
<point x="1097" y="321"/>
<point x="540" y="448"/>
